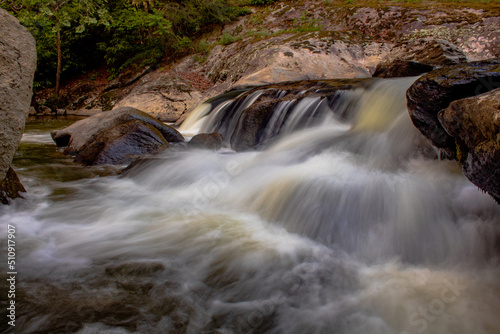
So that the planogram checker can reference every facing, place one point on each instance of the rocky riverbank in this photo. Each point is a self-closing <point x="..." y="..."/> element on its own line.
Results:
<point x="297" y="40"/>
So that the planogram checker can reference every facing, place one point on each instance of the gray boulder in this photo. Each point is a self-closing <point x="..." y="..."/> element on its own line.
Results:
<point x="115" y="137"/>
<point x="17" y="68"/>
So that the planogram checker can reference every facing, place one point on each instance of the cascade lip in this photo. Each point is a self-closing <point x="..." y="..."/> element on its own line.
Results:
<point x="322" y="85"/>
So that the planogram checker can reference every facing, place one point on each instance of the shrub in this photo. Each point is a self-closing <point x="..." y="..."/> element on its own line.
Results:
<point x="261" y="2"/>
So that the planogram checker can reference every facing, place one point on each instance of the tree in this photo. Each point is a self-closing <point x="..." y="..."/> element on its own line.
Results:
<point x="47" y="18"/>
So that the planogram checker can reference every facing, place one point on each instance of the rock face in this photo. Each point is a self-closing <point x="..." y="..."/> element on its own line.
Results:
<point x="475" y="125"/>
<point x="415" y="57"/>
<point x="436" y="90"/>
<point x="293" y="57"/>
<point x="17" y="68"/>
<point x="165" y="96"/>
<point x="115" y="137"/>
<point x="429" y="51"/>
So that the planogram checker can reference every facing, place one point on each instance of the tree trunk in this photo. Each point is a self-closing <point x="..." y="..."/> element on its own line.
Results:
<point x="59" y="62"/>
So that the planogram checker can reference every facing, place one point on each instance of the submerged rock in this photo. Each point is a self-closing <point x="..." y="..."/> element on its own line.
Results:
<point x="211" y="141"/>
<point x="436" y="90"/>
<point x="474" y="123"/>
<point x="115" y="137"/>
<point x="17" y="68"/>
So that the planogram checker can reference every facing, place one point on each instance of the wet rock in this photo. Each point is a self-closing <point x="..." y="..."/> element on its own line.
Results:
<point x="248" y="128"/>
<point x="211" y="141"/>
<point x="436" y="90"/>
<point x="10" y="187"/>
<point x="122" y="144"/>
<point x="17" y="68"/>
<point x="115" y="137"/>
<point x="474" y="123"/>
<point x="401" y="68"/>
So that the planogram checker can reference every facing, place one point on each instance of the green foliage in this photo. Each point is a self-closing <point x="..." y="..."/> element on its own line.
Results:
<point x="307" y="22"/>
<point x="135" y="35"/>
<point x="76" y="20"/>
<point x="227" y="38"/>
<point x="119" y="32"/>
<point x="261" y="2"/>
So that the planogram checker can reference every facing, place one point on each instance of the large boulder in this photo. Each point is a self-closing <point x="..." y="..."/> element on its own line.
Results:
<point x="474" y="123"/>
<point x="436" y="90"/>
<point x="17" y="68"/>
<point x="115" y="137"/>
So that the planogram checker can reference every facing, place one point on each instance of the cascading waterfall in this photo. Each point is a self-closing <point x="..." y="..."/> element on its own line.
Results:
<point x="343" y="222"/>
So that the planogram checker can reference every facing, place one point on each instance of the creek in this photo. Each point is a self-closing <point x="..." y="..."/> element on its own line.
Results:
<point x="347" y="225"/>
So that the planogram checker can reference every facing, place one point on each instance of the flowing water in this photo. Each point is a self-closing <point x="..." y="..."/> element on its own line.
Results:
<point x="346" y="226"/>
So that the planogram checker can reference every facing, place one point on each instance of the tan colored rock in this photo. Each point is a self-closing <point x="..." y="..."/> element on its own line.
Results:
<point x="291" y="57"/>
<point x="428" y="51"/>
<point x="17" y="68"/>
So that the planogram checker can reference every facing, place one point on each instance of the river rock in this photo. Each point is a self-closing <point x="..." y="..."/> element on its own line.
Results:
<point x="474" y="123"/>
<point x="10" y="187"/>
<point x="429" y="51"/>
<point x="401" y="68"/>
<point x="115" y="137"/>
<point x="211" y="141"/>
<point x="17" y="68"/>
<point x="418" y="56"/>
<point x="436" y="90"/>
